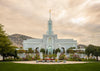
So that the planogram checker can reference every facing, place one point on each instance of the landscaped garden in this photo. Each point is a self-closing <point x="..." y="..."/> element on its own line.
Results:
<point x="8" y="52"/>
<point x="8" y="66"/>
<point x="13" y="53"/>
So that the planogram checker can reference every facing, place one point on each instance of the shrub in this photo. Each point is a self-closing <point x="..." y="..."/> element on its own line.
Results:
<point x="88" y="59"/>
<point x="10" y="59"/>
<point x="37" y="57"/>
<point x="28" y="58"/>
<point x="56" y="60"/>
<point x="61" y="57"/>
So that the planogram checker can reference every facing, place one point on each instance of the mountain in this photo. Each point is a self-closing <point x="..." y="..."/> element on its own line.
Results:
<point x="81" y="46"/>
<point x="17" y="39"/>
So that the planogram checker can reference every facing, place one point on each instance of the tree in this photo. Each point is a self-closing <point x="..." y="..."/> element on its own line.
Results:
<point x="5" y="43"/>
<point x="97" y="52"/>
<point x="42" y="50"/>
<point x="70" y="50"/>
<point x="21" y="51"/>
<point x="13" y="51"/>
<point x="54" y="51"/>
<point x="36" y="50"/>
<point x="15" y="56"/>
<point x="94" y="50"/>
<point x="63" y="49"/>
<point x="90" y="50"/>
<point x="30" y="50"/>
<point x="58" y="50"/>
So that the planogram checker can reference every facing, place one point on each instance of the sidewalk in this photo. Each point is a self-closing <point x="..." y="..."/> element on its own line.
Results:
<point x="34" y="62"/>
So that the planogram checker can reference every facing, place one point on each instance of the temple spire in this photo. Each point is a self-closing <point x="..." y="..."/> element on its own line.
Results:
<point x="50" y="14"/>
<point x="50" y="32"/>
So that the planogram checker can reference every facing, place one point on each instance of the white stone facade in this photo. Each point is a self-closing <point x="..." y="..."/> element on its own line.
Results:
<point x="49" y="41"/>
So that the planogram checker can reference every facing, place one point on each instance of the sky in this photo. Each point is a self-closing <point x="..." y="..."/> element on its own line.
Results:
<point x="72" y="19"/>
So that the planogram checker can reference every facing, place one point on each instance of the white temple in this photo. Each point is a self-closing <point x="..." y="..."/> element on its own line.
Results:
<point x="49" y="42"/>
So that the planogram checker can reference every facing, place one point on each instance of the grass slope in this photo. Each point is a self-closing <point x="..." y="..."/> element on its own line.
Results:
<point x="37" y="67"/>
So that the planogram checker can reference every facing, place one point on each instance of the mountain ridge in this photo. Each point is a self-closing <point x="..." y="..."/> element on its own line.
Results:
<point x="17" y="39"/>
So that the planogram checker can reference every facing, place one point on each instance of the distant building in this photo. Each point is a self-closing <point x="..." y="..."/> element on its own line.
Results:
<point x="50" y="42"/>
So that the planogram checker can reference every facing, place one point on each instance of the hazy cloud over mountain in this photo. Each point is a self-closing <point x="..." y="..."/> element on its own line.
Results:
<point x="77" y="19"/>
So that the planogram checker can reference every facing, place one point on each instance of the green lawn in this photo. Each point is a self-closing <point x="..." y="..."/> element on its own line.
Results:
<point x="65" y="67"/>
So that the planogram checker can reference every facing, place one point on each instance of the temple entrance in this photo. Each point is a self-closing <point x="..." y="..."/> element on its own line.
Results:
<point x="50" y="50"/>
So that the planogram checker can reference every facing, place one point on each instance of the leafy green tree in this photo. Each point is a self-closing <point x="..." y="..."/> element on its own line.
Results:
<point x="30" y="50"/>
<point x="94" y="50"/>
<point x="90" y="50"/>
<point x="46" y="51"/>
<point x="42" y="50"/>
<point x="12" y="51"/>
<point x="5" y="43"/>
<point x="36" y="51"/>
<point x="54" y="51"/>
<point x="70" y="50"/>
<point x="15" y="56"/>
<point x="57" y="50"/>
<point x="97" y="52"/>
<point x="63" y="49"/>
<point x="80" y="51"/>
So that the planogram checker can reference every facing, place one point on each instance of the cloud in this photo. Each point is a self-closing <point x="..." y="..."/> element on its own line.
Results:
<point x="30" y="17"/>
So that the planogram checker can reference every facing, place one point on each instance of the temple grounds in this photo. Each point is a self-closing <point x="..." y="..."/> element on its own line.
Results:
<point x="34" y="62"/>
<point x="9" y="66"/>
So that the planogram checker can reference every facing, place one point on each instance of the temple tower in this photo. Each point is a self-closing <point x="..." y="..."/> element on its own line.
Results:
<point x="50" y="32"/>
